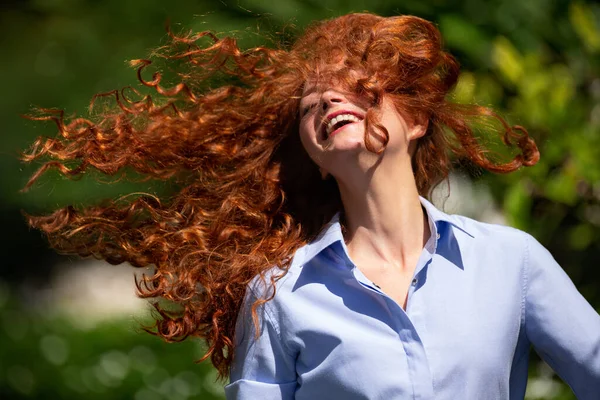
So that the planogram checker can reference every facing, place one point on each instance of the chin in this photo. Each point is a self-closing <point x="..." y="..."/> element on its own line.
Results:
<point x="347" y="145"/>
<point x="346" y="141"/>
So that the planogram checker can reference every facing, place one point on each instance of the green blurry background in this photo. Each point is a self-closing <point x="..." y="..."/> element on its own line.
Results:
<point x="71" y="329"/>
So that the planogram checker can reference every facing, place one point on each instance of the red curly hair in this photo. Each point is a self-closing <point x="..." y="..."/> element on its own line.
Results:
<point x="249" y="195"/>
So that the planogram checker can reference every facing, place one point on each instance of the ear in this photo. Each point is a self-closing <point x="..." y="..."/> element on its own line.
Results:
<point x="418" y="127"/>
<point x="323" y="173"/>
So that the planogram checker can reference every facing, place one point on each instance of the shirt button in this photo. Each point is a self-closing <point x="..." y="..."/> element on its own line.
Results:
<point x="437" y="235"/>
<point x="414" y="281"/>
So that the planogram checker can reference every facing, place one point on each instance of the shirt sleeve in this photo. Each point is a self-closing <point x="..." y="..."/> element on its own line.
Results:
<point x="262" y="367"/>
<point x="562" y="326"/>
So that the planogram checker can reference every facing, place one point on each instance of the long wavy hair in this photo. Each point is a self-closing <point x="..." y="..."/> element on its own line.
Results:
<point x="248" y="194"/>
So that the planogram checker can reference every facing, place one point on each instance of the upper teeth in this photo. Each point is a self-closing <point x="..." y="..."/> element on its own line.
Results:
<point x="341" y="117"/>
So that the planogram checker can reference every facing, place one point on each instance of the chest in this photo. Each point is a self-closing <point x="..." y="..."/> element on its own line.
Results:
<point x="393" y="283"/>
<point x="362" y="340"/>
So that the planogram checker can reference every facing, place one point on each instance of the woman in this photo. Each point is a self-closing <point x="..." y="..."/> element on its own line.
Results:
<point x="345" y="283"/>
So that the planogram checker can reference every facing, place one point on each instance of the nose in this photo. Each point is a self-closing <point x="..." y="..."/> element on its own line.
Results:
<point x="331" y="97"/>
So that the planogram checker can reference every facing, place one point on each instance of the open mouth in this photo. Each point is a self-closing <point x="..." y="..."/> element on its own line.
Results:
<point x="335" y="122"/>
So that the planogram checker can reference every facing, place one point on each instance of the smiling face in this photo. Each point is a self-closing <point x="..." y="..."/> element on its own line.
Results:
<point x="333" y="125"/>
<point x="325" y="114"/>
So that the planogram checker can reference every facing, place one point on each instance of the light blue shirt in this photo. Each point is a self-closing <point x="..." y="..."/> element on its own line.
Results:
<point x="481" y="295"/>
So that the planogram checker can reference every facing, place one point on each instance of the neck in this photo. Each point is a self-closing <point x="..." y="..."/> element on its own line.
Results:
<point x="385" y="222"/>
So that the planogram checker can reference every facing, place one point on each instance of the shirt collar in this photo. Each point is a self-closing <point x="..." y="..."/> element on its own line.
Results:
<point x="332" y="232"/>
<point x="437" y="216"/>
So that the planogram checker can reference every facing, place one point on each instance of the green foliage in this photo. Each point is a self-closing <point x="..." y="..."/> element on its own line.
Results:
<point x="47" y="357"/>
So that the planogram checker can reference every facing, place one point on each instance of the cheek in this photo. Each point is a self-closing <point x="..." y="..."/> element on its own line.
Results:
<point x="309" y="141"/>
<point x="307" y="135"/>
<point x="304" y="137"/>
<point x="396" y="126"/>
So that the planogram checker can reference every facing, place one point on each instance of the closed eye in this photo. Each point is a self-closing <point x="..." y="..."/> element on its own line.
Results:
<point x="307" y="108"/>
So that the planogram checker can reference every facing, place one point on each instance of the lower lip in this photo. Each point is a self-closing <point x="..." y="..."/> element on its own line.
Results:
<point x="339" y="129"/>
